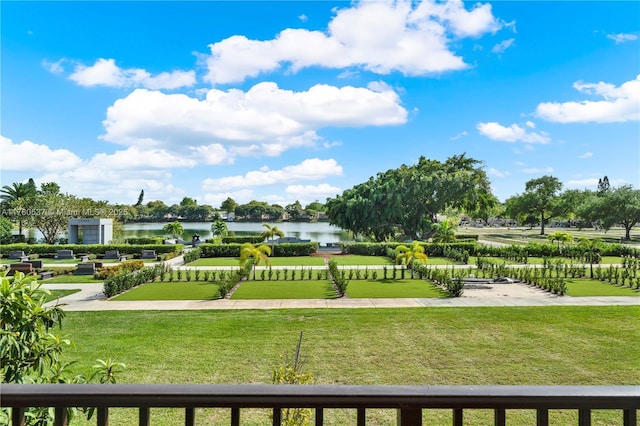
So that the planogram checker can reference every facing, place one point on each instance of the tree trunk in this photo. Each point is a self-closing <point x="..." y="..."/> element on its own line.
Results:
<point x="542" y="224"/>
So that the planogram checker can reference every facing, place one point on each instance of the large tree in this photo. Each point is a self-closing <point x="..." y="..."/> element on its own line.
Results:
<point x="229" y="205"/>
<point x="616" y="206"/>
<point x="409" y="198"/>
<point x="53" y="210"/>
<point x="540" y="199"/>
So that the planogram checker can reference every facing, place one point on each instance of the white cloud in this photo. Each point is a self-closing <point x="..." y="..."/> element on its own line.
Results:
<point x="591" y="183"/>
<point x="310" y="169"/>
<point x="378" y="36"/>
<point x="265" y="120"/>
<point x="513" y="133"/>
<point x="105" y="72"/>
<point x="215" y="199"/>
<point x="497" y="173"/>
<point x="619" y="104"/>
<point x="27" y="156"/>
<point x="530" y="124"/>
<point x="459" y="135"/>
<point x="54" y="67"/>
<point x="621" y="37"/>
<point x="536" y="170"/>
<point x="303" y="18"/>
<point x="503" y="45"/>
<point x="586" y="155"/>
<point x="313" y="192"/>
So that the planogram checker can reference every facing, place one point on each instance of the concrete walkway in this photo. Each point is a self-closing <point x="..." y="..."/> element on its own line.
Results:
<point x="91" y="298"/>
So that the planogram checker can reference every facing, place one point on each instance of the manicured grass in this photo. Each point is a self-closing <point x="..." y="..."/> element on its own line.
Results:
<point x="193" y="290"/>
<point x="588" y="287"/>
<point x="71" y="279"/>
<point x="393" y="288"/>
<point x="441" y="261"/>
<point x="557" y="345"/>
<point x="56" y="294"/>
<point x="351" y="259"/>
<point x="615" y="260"/>
<point x="284" y="290"/>
<point x="273" y="261"/>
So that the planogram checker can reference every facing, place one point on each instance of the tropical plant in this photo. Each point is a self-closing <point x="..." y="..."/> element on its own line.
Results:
<point x="219" y="229"/>
<point x="18" y="198"/>
<point x="256" y="254"/>
<point x="445" y="231"/>
<point x="271" y="232"/>
<point x="560" y="237"/>
<point x="591" y="251"/>
<point x="174" y="229"/>
<point x="406" y="255"/>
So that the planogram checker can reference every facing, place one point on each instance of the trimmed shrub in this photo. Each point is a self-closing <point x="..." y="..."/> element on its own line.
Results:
<point x="96" y="249"/>
<point x="144" y="240"/>
<point x="253" y="239"/>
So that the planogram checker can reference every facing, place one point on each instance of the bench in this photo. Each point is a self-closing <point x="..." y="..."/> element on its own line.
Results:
<point x="26" y="268"/>
<point x="85" y="269"/>
<point x="148" y="254"/>
<point x="18" y="255"/>
<point x="114" y="254"/>
<point x="36" y="263"/>
<point x="46" y="275"/>
<point x="65" y="254"/>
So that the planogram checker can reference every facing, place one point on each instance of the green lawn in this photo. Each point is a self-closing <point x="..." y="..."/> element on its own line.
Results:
<point x="273" y="261"/>
<point x="556" y="345"/>
<point x="588" y="287"/>
<point x="193" y="290"/>
<point x="56" y="294"/>
<point x="308" y="289"/>
<point x="352" y="259"/>
<point x="393" y="288"/>
<point x="71" y="279"/>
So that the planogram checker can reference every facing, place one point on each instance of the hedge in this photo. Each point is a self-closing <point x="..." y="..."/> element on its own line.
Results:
<point x="144" y="240"/>
<point x="380" y="249"/>
<point x="278" y="250"/>
<point x="253" y="239"/>
<point x="89" y="248"/>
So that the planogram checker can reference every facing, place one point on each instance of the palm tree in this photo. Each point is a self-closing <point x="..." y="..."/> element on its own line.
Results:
<point x="590" y="251"/>
<point x="445" y="231"/>
<point x="560" y="237"/>
<point x="219" y="229"/>
<point x="271" y="232"/>
<point x="407" y="255"/>
<point x="18" y="196"/>
<point x="256" y="253"/>
<point x="174" y="228"/>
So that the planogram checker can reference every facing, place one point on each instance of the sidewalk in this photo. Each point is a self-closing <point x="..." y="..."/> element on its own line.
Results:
<point x="91" y="298"/>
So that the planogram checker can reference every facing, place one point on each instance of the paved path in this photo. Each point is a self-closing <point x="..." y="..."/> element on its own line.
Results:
<point x="91" y="298"/>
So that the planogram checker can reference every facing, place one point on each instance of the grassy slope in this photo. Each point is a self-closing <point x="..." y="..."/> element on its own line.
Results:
<point x="551" y="345"/>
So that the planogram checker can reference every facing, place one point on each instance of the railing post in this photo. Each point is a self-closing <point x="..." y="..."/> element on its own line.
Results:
<point x="235" y="416"/>
<point x="61" y="417"/>
<point x="319" y="416"/>
<point x="629" y="417"/>
<point x="277" y="416"/>
<point x="584" y="417"/>
<point x="103" y="416"/>
<point x="409" y="417"/>
<point x="500" y="417"/>
<point x="362" y="417"/>
<point x="17" y="416"/>
<point x="457" y="417"/>
<point x="542" y="417"/>
<point x="143" y="416"/>
<point x="189" y="416"/>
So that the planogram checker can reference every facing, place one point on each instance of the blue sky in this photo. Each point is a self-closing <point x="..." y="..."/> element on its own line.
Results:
<point x="285" y="101"/>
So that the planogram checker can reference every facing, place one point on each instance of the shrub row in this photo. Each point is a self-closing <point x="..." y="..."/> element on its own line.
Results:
<point x="126" y="280"/>
<point x="144" y="240"/>
<point x="279" y="250"/>
<point x="382" y="249"/>
<point x="450" y="280"/>
<point x="97" y="249"/>
<point x="338" y="279"/>
<point x="124" y="267"/>
<point x="234" y="278"/>
<point x="534" y="249"/>
<point x="253" y="239"/>
<point x="192" y="255"/>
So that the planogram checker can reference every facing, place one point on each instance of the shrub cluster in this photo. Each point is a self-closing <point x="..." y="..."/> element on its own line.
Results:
<point x="230" y="281"/>
<point x="382" y="249"/>
<point x="450" y="280"/>
<point x="279" y="250"/>
<point x="232" y="239"/>
<point x="124" y="267"/>
<point x="192" y="255"/>
<point x="457" y="254"/>
<point x="96" y="249"/>
<point x="144" y="240"/>
<point x="338" y="278"/>
<point x="126" y="280"/>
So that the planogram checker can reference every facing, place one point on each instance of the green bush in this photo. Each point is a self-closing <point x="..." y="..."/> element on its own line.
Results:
<point x="232" y="239"/>
<point x="144" y="240"/>
<point x="382" y="249"/>
<point x="96" y="249"/>
<point x="126" y="279"/>
<point x="294" y="249"/>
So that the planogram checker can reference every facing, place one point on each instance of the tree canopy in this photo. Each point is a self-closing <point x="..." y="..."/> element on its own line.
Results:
<point x="540" y="200"/>
<point x="410" y="197"/>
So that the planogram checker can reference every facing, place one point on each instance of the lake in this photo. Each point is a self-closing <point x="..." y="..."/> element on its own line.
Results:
<point x="322" y="232"/>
